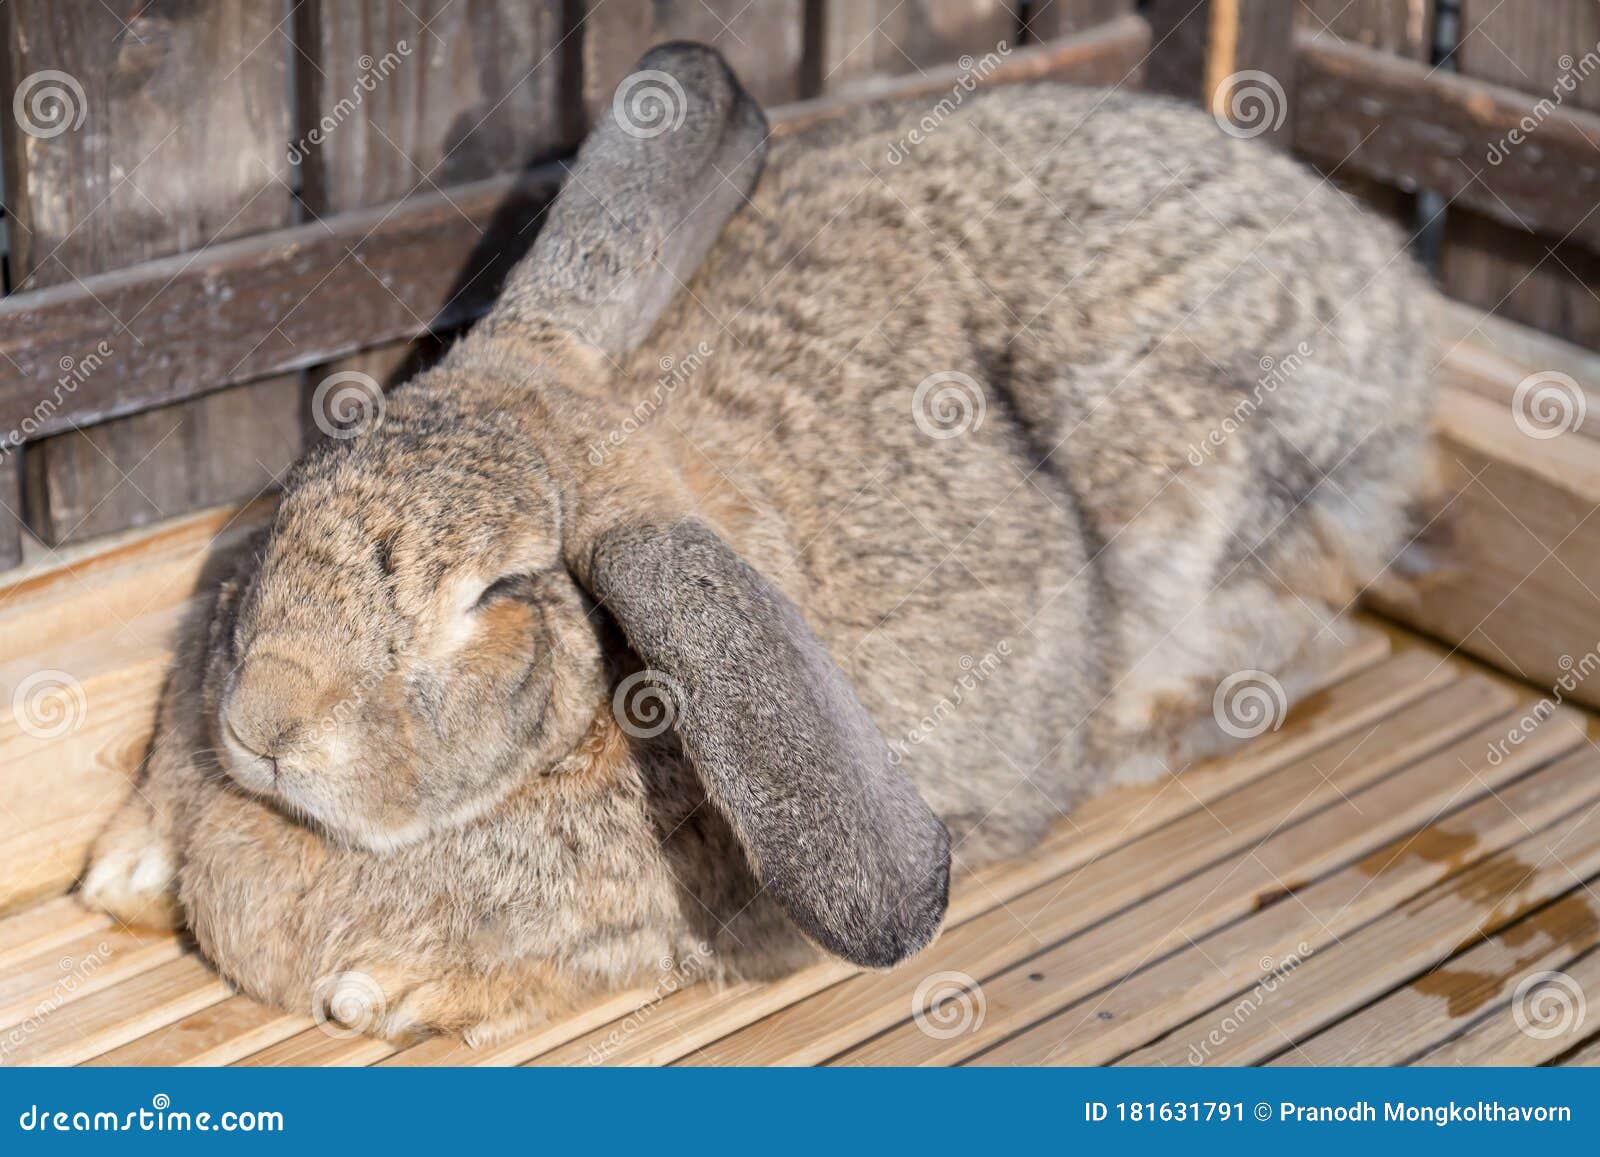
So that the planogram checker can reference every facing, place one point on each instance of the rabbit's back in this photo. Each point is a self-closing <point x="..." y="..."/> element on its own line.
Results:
<point x="1184" y="405"/>
<point x="1119" y="266"/>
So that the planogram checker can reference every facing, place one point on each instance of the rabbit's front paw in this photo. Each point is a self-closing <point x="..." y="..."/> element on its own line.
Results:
<point x="133" y="871"/>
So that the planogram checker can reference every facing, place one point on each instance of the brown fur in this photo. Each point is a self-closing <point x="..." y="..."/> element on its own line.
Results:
<point x="486" y="843"/>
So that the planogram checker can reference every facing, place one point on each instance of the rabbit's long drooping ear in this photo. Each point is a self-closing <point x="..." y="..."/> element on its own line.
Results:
<point x="672" y="157"/>
<point x="834" y="830"/>
<point x="785" y="749"/>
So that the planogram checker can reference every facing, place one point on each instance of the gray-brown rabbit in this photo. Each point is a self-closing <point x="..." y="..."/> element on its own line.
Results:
<point x="945" y="484"/>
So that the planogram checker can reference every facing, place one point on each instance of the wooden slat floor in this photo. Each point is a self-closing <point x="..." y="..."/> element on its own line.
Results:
<point x="1370" y="884"/>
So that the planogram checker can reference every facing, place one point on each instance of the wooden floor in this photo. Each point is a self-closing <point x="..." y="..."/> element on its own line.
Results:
<point x="1370" y="884"/>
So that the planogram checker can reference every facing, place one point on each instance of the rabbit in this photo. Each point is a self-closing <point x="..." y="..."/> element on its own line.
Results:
<point x="774" y="547"/>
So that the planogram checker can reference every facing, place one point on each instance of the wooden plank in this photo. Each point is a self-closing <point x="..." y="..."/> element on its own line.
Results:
<point x="425" y="95"/>
<point x="1443" y="1001"/>
<point x="397" y="99"/>
<point x="102" y="618"/>
<point x="684" y="1019"/>
<point x="68" y="757"/>
<point x="91" y="1026"/>
<point x="1403" y="123"/>
<point x="1586" y="1056"/>
<point x="219" y="1034"/>
<point x="1536" y="46"/>
<point x="865" y="42"/>
<point x="1491" y="357"/>
<point x="39" y="929"/>
<point x="1518" y="589"/>
<point x="143" y="177"/>
<point x="139" y="470"/>
<point x="266" y="304"/>
<point x="763" y="42"/>
<point x="86" y="589"/>
<point x="1236" y="57"/>
<point x="1363" y="819"/>
<point x="1537" y="1036"/>
<point x="38" y="988"/>
<point x="1320" y="964"/>
<point x="1523" y="276"/>
<point x="320" y="1048"/>
<point x="825" y="1025"/>
<point x="11" y="520"/>
<point x="1048" y="19"/>
<point x="1400" y="27"/>
<point x="120" y="186"/>
<point x="515" y="1049"/>
<point x="1107" y="55"/>
<point x="297" y="297"/>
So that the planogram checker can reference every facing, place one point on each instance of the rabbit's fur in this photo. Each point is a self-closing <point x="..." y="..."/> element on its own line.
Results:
<point x="475" y="834"/>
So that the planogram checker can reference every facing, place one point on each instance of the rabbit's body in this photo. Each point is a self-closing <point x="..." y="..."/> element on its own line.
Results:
<point x="1114" y="307"/>
<point x="1029" y="603"/>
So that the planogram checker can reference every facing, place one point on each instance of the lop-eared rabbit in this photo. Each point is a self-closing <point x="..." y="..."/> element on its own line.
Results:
<point x="773" y="546"/>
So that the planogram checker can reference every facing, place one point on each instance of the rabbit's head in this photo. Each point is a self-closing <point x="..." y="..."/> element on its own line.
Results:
<point x="423" y="628"/>
<point x="408" y="640"/>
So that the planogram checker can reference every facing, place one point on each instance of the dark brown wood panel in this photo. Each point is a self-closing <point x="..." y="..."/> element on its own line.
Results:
<point x="263" y="305"/>
<point x="1538" y="47"/>
<point x="764" y="41"/>
<point x="1410" y="125"/>
<point x="869" y="41"/>
<point x="152" y="128"/>
<point x="268" y="304"/>
<point x="196" y="454"/>
<point x="1236" y="57"/>
<point x="10" y="510"/>
<point x="398" y="99"/>
<point x="1399" y="27"/>
<point x="1521" y="275"/>
<point x="1048" y="19"/>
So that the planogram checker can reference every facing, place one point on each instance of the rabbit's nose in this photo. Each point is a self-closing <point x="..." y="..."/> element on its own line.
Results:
<point x="257" y="765"/>
<point x="268" y="709"/>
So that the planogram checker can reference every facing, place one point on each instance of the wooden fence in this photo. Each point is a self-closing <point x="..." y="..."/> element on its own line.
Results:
<point x="213" y="205"/>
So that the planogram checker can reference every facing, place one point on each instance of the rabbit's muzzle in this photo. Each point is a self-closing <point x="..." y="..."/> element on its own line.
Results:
<point x="281" y="729"/>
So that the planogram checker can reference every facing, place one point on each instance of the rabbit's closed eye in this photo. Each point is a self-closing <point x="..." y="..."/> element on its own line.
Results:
<point x="512" y="586"/>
